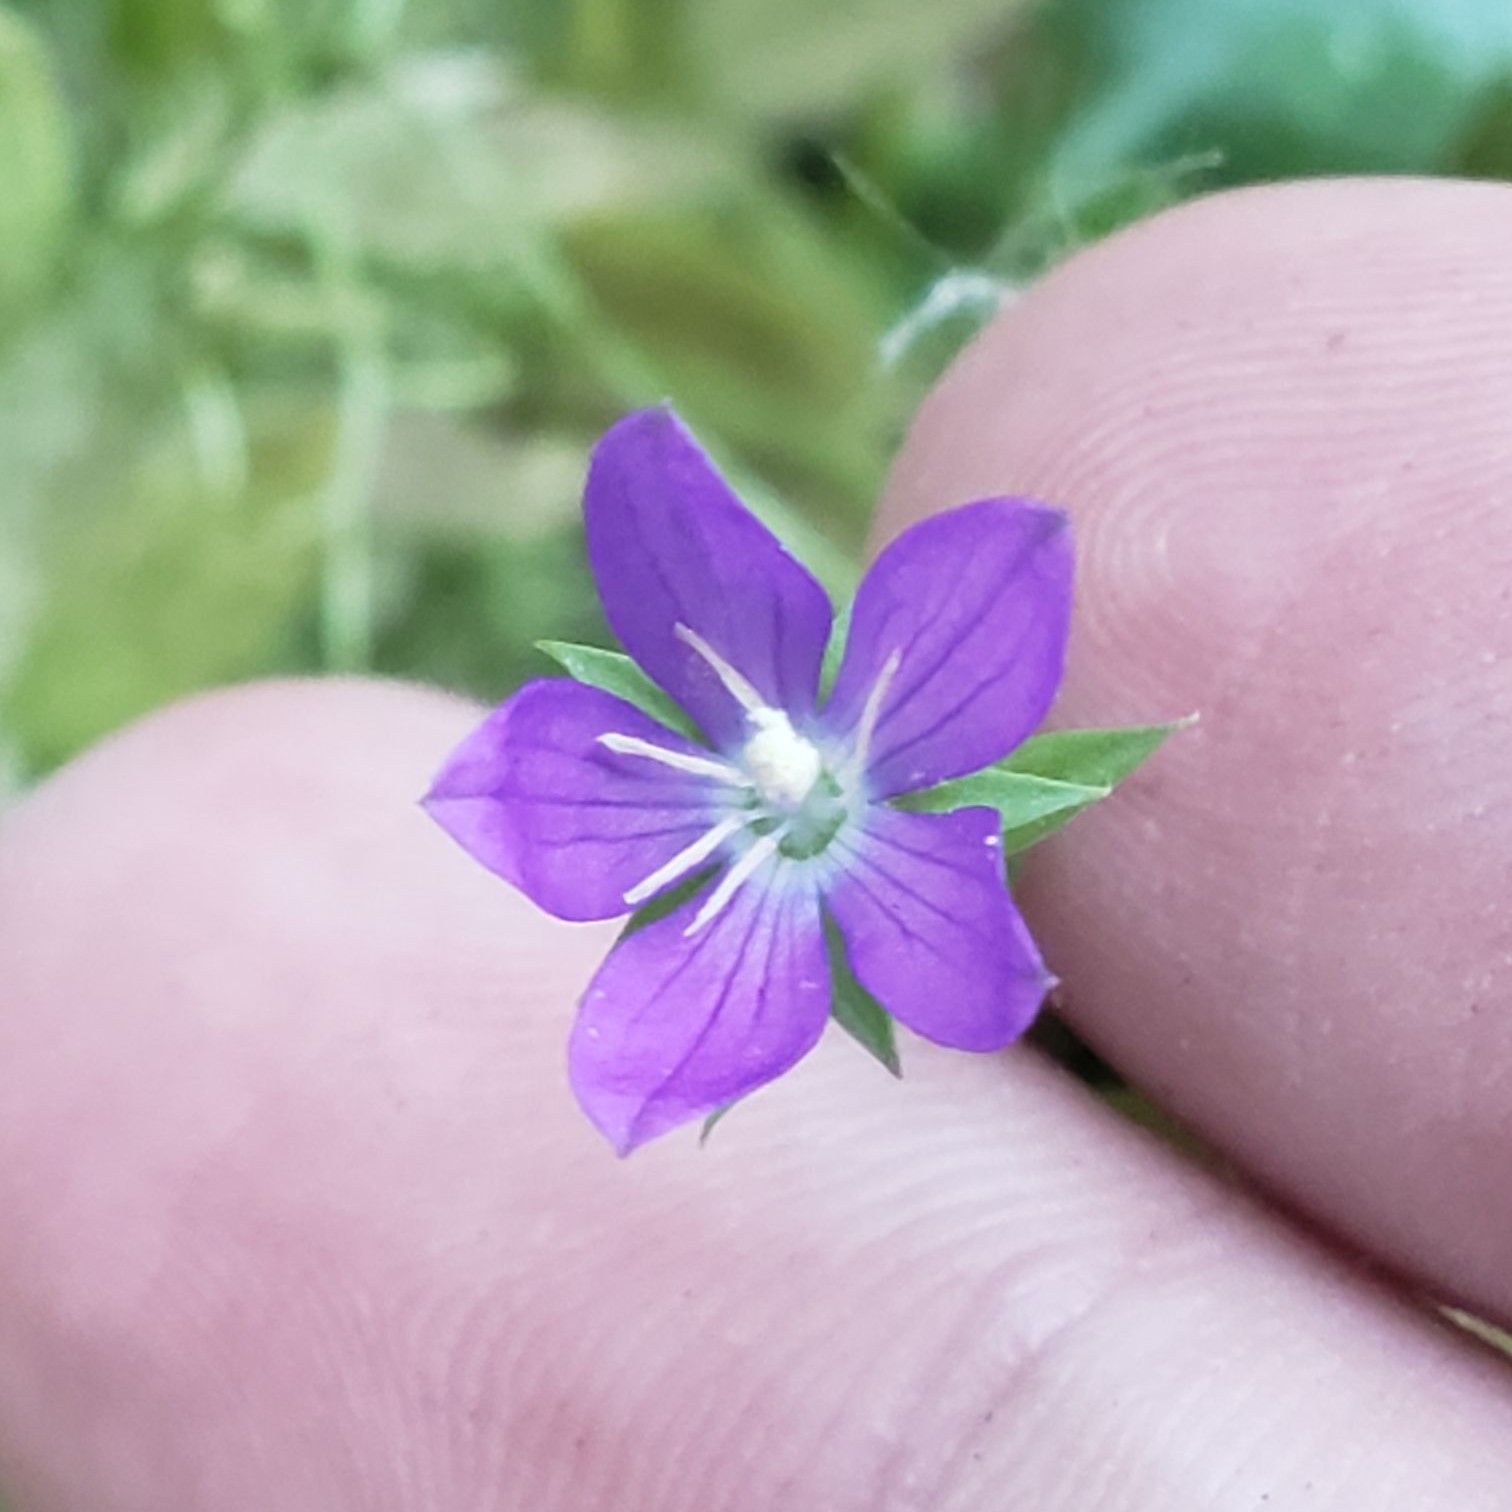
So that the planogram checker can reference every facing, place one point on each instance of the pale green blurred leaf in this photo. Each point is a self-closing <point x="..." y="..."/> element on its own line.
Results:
<point x="445" y="474"/>
<point x="468" y="610"/>
<point x="1284" y="86"/>
<point x="756" y="331"/>
<point x="170" y="590"/>
<point x="61" y="422"/>
<point x="36" y="172"/>
<point x="796" y="57"/>
<point x="180" y="129"/>
<point x="448" y="161"/>
<point x="159" y="37"/>
<point x="386" y="168"/>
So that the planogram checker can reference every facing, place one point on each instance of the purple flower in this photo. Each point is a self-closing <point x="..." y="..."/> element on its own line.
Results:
<point x="592" y="808"/>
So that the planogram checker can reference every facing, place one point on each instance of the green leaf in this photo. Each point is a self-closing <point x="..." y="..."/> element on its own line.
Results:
<point x="1276" y="88"/>
<point x="615" y="673"/>
<point x="754" y="327"/>
<point x="36" y="169"/>
<point x="1047" y="782"/>
<point x="1094" y="758"/>
<point x="855" y="1009"/>
<point x="157" y="587"/>
<point x="795" y="59"/>
<point x="384" y="166"/>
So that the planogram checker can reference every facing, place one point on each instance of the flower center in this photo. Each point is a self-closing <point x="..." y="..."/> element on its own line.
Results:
<point x="791" y="804"/>
<point x="782" y="764"/>
<point x="808" y="829"/>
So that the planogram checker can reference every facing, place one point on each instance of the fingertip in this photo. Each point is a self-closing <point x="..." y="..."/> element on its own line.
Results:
<point x="1278" y="419"/>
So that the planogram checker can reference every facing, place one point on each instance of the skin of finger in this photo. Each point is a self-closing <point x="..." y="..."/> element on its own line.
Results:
<point x="298" y="1212"/>
<point x="1280" y="421"/>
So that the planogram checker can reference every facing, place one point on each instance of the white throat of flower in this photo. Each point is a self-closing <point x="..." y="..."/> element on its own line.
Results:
<point x="777" y="771"/>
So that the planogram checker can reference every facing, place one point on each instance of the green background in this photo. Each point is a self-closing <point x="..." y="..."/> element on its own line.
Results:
<point x="309" y="309"/>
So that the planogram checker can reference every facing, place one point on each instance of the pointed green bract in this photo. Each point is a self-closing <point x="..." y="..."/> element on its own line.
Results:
<point x="36" y="167"/>
<point x="1048" y="781"/>
<point x="855" y="1009"/>
<point x="1020" y="797"/>
<point x="615" y="673"/>
<point x="1096" y="758"/>
<point x="1030" y="807"/>
<point x="706" y="1131"/>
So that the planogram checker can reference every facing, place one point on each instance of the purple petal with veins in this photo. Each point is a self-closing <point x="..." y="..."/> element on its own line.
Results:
<point x="676" y="1025"/>
<point x="670" y="544"/>
<point x="930" y="929"/>
<point x="973" y="607"/>
<point x="536" y="795"/>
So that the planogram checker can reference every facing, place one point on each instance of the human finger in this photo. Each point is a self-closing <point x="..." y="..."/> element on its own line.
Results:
<point x="299" y="1212"/>
<point x="1279" y="418"/>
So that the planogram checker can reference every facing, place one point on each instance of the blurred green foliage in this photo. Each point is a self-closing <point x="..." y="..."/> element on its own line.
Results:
<point x="310" y="309"/>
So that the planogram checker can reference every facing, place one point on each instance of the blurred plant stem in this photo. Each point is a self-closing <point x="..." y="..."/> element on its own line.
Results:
<point x="347" y="600"/>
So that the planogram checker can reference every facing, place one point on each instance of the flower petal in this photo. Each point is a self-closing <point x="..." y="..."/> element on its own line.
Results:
<point x="930" y="930"/>
<point x="974" y="607"/>
<point x="675" y="1026"/>
<point x="671" y="544"/>
<point x="535" y="796"/>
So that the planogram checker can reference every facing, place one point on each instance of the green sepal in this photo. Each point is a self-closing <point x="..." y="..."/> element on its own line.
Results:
<point x="855" y="1009"/>
<point x="1096" y="758"/>
<point x="1048" y="781"/>
<point x="712" y="1119"/>
<point x="834" y="647"/>
<point x="615" y="673"/>
<point x="1020" y="797"/>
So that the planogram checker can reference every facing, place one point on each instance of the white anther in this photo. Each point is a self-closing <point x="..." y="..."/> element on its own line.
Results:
<point x="679" y="761"/>
<point x="761" y="851"/>
<point x="687" y="858"/>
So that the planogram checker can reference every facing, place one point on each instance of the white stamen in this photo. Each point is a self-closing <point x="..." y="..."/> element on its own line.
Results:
<point x="760" y="853"/>
<point x="687" y="858"/>
<point x="871" y="710"/>
<point x="699" y="766"/>
<point x="739" y="689"/>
